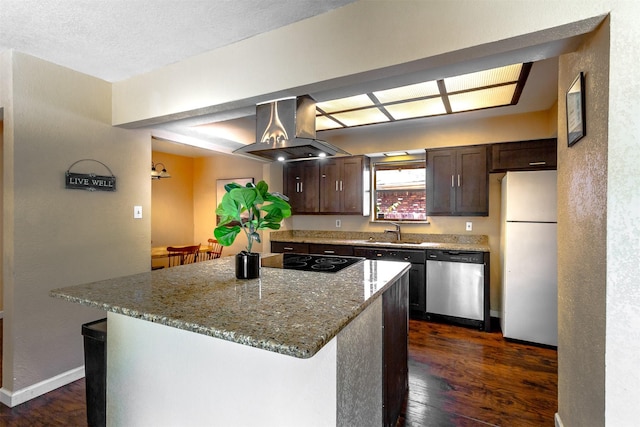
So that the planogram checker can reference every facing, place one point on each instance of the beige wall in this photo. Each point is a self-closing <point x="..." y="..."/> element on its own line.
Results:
<point x="172" y="202"/>
<point x="54" y="237"/>
<point x="582" y="237"/>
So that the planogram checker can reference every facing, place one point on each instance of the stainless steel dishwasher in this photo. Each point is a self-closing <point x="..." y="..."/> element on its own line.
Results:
<point x="457" y="286"/>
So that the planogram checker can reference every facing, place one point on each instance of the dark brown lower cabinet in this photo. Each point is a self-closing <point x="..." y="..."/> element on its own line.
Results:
<point x="395" y="340"/>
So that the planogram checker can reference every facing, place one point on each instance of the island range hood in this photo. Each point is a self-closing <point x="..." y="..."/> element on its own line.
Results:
<point x="286" y="130"/>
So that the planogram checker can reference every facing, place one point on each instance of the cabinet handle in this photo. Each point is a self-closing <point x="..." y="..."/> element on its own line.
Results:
<point x="458" y="180"/>
<point x="329" y="252"/>
<point x="337" y="186"/>
<point x="378" y="254"/>
<point x="287" y="248"/>
<point x="537" y="163"/>
<point x="340" y="185"/>
<point x="452" y="185"/>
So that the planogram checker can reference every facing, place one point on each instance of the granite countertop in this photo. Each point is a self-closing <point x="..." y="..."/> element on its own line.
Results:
<point x="285" y="311"/>
<point x="459" y="242"/>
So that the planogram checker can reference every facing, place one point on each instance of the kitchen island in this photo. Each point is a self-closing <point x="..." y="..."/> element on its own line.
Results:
<point x="192" y="345"/>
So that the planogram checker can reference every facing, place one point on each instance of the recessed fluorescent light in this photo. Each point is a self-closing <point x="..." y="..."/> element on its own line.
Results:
<point x="478" y="99"/>
<point x="342" y="104"/>
<point x="418" y="90"/>
<point x="396" y="153"/>
<point x="496" y="87"/>
<point x="410" y="110"/>
<point x="362" y="117"/>
<point x="324" y="123"/>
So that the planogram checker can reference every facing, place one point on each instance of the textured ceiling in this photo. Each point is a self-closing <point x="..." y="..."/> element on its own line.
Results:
<point x="117" y="39"/>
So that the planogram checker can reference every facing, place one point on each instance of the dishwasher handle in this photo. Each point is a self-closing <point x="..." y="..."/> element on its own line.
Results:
<point x="470" y="257"/>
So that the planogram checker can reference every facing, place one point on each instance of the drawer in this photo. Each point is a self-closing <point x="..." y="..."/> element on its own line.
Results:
<point x="407" y="255"/>
<point x="281" y="247"/>
<point x="315" y="248"/>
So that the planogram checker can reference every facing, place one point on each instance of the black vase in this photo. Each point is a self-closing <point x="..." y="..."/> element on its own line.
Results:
<point x="247" y="265"/>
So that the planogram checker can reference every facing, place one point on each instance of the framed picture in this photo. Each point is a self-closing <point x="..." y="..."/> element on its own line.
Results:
<point x="576" y="117"/>
<point x="220" y="191"/>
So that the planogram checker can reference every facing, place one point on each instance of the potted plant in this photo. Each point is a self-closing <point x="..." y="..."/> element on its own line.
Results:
<point x="249" y="209"/>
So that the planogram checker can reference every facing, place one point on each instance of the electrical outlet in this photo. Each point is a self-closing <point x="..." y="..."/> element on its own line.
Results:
<point x="469" y="226"/>
<point x="137" y="212"/>
<point x="338" y="223"/>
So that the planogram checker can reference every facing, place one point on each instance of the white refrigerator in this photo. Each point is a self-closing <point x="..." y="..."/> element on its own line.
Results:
<point x="529" y="257"/>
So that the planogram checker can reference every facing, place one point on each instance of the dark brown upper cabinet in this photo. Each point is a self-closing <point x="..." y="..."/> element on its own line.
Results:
<point x="458" y="181"/>
<point x="537" y="154"/>
<point x="302" y="186"/>
<point x="341" y="185"/>
<point x="325" y="186"/>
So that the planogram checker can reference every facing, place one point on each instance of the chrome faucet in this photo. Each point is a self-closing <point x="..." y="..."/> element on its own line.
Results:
<point x="396" y="231"/>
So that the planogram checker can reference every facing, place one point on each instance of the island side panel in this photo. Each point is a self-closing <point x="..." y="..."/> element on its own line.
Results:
<point x="158" y="375"/>
<point x="360" y="369"/>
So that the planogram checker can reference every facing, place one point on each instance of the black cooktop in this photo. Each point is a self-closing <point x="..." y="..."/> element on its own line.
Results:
<point x="320" y="263"/>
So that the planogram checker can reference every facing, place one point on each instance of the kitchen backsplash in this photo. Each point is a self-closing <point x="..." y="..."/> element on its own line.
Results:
<point x="364" y="235"/>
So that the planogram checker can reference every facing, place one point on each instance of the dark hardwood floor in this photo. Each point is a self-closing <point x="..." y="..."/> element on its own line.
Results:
<point x="457" y="377"/>
<point x="464" y="377"/>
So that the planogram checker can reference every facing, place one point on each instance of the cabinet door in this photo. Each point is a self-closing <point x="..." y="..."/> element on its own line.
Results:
<point x="330" y="186"/>
<point x="472" y="181"/>
<point x="417" y="288"/>
<point x="395" y="350"/>
<point x="351" y="185"/>
<point x="302" y="186"/>
<point x="441" y="168"/>
<point x="538" y="154"/>
<point x="292" y="180"/>
<point x="341" y="185"/>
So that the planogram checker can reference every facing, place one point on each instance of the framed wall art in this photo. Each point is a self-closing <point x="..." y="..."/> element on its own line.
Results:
<point x="576" y="117"/>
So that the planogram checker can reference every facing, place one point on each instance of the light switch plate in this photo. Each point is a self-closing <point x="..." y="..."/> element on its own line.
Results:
<point x="338" y="223"/>
<point x="137" y="212"/>
<point x="469" y="226"/>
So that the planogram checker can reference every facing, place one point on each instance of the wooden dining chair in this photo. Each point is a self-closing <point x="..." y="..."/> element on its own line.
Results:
<point x="214" y="251"/>
<point x="181" y="255"/>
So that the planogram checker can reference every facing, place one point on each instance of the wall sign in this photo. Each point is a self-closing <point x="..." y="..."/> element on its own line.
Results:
<point x="89" y="181"/>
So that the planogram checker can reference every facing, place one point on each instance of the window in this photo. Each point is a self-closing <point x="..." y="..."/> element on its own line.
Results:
<point x="400" y="192"/>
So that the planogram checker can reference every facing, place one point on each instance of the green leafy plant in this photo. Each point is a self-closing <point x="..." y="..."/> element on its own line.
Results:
<point x="265" y="211"/>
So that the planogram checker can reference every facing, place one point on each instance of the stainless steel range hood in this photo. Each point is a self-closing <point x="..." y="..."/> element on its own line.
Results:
<point x="286" y="130"/>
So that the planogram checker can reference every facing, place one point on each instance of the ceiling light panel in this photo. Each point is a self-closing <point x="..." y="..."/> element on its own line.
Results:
<point x="485" y="98"/>
<point x="507" y="74"/>
<point x="362" y="117"/>
<point x="410" y="110"/>
<point x="418" y="90"/>
<point x="324" y="123"/>
<point x="350" y="103"/>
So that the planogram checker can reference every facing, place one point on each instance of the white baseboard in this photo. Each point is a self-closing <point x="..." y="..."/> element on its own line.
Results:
<point x="15" y="398"/>
<point x="558" y="420"/>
